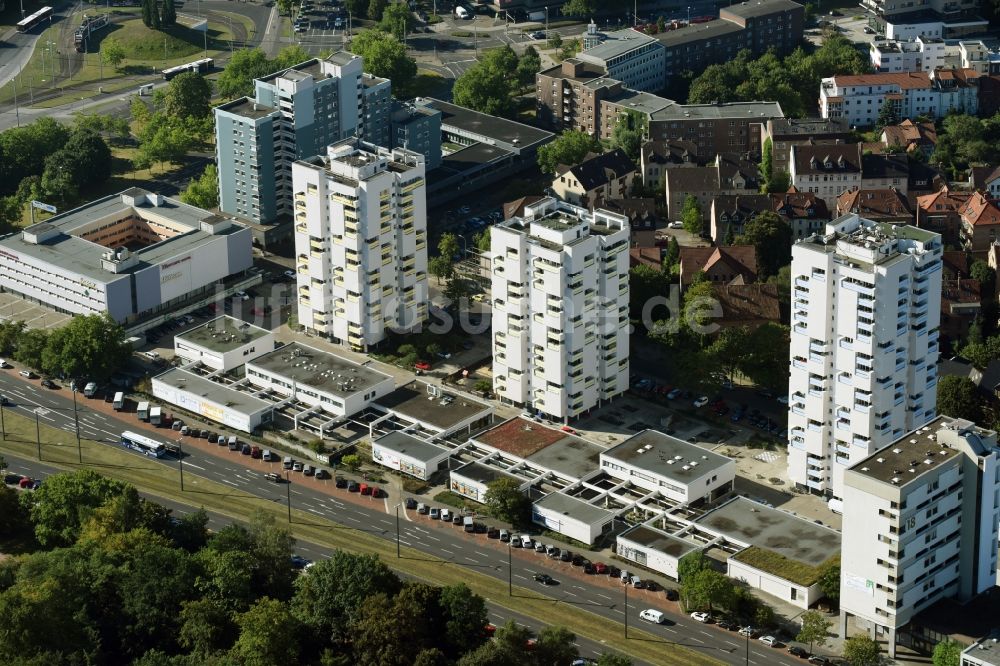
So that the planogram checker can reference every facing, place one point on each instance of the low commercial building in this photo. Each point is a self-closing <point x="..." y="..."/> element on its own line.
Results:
<point x="233" y="408"/>
<point x="223" y="344"/>
<point x="409" y="454"/>
<point x="920" y="526"/>
<point x="572" y="517"/>
<point x="433" y="411"/>
<point x="922" y="54"/>
<point x="678" y="470"/>
<point x="653" y="548"/>
<point x="473" y="479"/>
<point x="324" y="381"/>
<point x="985" y="652"/>
<point x="134" y="255"/>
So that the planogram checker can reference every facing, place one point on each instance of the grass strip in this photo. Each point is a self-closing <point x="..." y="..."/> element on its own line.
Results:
<point x="59" y="449"/>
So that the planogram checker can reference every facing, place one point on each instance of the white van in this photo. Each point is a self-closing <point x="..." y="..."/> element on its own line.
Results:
<point x="119" y="402"/>
<point x="233" y="441"/>
<point x="267" y="456"/>
<point x="651" y="615"/>
<point x="526" y="541"/>
<point x="461" y="12"/>
<point x="446" y="514"/>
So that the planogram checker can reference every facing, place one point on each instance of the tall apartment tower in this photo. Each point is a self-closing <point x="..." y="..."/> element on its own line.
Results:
<point x="294" y="114"/>
<point x="360" y="241"/>
<point x="560" y="308"/>
<point x="920" y="525"/>
<point x="866" y="300"/>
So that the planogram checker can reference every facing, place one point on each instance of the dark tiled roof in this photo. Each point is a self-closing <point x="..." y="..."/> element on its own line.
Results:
<point x="885" y="166"/>
<point x="742" y="259"/>
<point x="675" y="151"/>
<point x="827" y="159"/>
<point x="599" y="170"/>
<point x="744" y="304"/>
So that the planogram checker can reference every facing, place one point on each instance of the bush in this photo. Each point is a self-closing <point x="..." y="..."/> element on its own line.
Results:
<point x="415" y="486"/>
<point x="316" y="446"/>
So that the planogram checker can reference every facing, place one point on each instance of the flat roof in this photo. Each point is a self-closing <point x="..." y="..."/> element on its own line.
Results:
<point x="61" y="247"/>
<point x="617" y="43"/>
<point x="220" y="394"/>
<point x="520" y="437"/>
<point x="247" y="108"/>
<point x="575" y="508"/>
<point x="222" y="334"/>
<point x="658" y="540"/>
<point x="667" y="456"/>
<point x="908" y="457"/>
<point x="774" y="530"/>
<point x="570" y="456"/>
<point x="445" y="411"/>
<point x="642" y="102"/>
<point x="499" y="129"/>
<point x="474" y="156"/>
<point x="319" y="369"/>
<point x="754" y="8"/>
<point x="697" y="32"/>
<point x="484" y="474"/>
<point x="720" y="111"/>
<point x="410" y="446"/>
<point x="986" y="650"/>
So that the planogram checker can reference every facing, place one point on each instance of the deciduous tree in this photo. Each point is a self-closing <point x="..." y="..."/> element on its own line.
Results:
<point x="959" y="397"/>
<point x="397" y="19"/>
<point x="815" y="629"/>
<point x="188" y="96"/>
<point x="862" y="650"/>
<point x="691" y="215"/>
<point x="569" y="148"/>
<point x="771" y="236"/>
<point x="269" y="635"/>
<point x="64" y="501"/>
<point x="203" y="192"/>
<point x="385" y="56"/>
<point x="947" y="653"/>
<point x="506" y="501"/>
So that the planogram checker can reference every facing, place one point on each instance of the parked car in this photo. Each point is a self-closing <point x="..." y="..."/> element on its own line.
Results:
<point x="820" y="660"/>
<point x="701" y="402"/>
<point x="600" y="568"/>
<point x="49" y="384"/>
<point x="411" y="503"/>
<point x="322" y="474"/>
<point x="539" y="547"/>
<point x="297" y="466"/>
<point x="748" y="631"/>
<point x="769" y="641"/>
<point x="308" y="470"/>
<point x="674" y="394"/>
<point x="493" y="533"/>
<point x="797" y="651"/>
<point x="422" y="365"/>
<point x="353" y="487"/>
<point x="341" y="482"/>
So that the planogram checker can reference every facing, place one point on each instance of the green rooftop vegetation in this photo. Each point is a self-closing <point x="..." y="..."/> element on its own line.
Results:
<point x="783" y="567"/>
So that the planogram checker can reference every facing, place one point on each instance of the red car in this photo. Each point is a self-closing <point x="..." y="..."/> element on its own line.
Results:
<point x="365" y="489"/>
<point x="376" y="491"/>
<point x="422" y="365"/>
<point x="490" y="629"/>
<point x="600" y="567"/>
<point x="25" y="482"/>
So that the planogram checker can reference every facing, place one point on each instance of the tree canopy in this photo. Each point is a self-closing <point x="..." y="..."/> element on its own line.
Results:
<point x="203" y="191"/>
<point x="489" y="85"/>
<point x="959" y="397"/>
<point x="507" y="502"/>
<point x="771" y="236"/>
<point x="385" y="55"/>
<point x="569" y="148"/>
<point x="188" y="95"/>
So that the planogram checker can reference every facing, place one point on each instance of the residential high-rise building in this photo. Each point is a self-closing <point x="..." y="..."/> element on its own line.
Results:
<point x="295" y="113"/>
<point x="416" y="126"/>
<point x="360" y="241"/>
<point x="866" y="301"/>
<point x="920" y="525"/>
<point x="560" y="308"/>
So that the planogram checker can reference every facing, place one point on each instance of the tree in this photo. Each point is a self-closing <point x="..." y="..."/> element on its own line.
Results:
<point x="376" y="8"/>
<point x="148" y="12"/>
<point x="959" y="398"/>
<point x="112" y="50"/>
<point x="947" y="653"/>
<point x="691" y="215"/>
<point x="188" y="96"/>
<point x="485" y="89"/>
<point x="91" y="345"/>
<point x="766" y="162"/>
<point x="448" y="245"/>
<point x="691" y="564"/>
<point x="465" y="615"/>
<point x="555" y="646"/>
<point x="569" y="148"/>
<point x="58" y="180"/>
<point x="243" y="67"/>
<point x="579" y="8"/>
<point x="482" y="240"/>
<point x="271" y="551"/>
<point x="672" y="255"/>
<point x="779" y="182"/>
<point x="555" y="41"/>
<point x="59" y="507"/>
<point x="164" y="140"/>
<point x="206" y="627"/>
<point x="862" y="650"/>
<point x="268" y="635"/>
<point x="815" y="629"/>
<point x="356" y="8"/>
<point x="980" y="355"/>
<point x="168" y="14"/>
<point x="204" y="191"/>
<point x="645" y="284"/>
<point x="608" y="659"/>
<point x="629" y="133"/>
<point x="708" y="589"/>
<point x="13" y="517"/>
<point x="505" y="501"/>
<point x="397" y="19"/>
<point x="886" y="116"/>
<point x="771" y="235"/>
<point x="759" y="363"/>
<point x="528" y="65"/>
<point x="980" y="270"/>
<point x="729" y="350"/>
<point x="441" y="267"/>
<point x="91" y="158"/>
<point x="385" y="56"/>
<point x="286" y="7"/>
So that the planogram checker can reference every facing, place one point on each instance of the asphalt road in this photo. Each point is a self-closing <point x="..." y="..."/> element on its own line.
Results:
<point x="598" y="594"/>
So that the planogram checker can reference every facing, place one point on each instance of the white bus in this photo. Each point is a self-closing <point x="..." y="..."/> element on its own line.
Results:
<point x="202" y="66"/>
<point x="143" y="444"/>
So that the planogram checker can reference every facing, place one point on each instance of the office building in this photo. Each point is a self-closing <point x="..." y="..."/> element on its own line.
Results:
<point x="135" y="255"/>
<point x="629" y="56"/>
<point x="222" y="344"/>
<point x="859" y="98"/>
<point x="922" y="54"/>
<point x="920" y="526"/>
<point x="360" y="242"/>
<point x="416" y="126"/>
<point x="560" y="308"/>
<point x="864" y="345"/>
<point x="294" y="114"/>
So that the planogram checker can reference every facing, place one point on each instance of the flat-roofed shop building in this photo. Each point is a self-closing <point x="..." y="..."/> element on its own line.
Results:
<point x="223" y="344"/>
<point x="318" y="379"/>
<point x="237" y="408"/>
<point x="679" y="470"/>
<point x="133" y="255"/>
<point x="409" y="454"/>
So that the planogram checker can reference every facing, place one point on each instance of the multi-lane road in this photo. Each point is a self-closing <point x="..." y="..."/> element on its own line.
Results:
<point x="598" y="594"/>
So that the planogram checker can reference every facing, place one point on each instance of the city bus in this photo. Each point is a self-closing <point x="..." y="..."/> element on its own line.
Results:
<point x="30" y="22"/>
<point x="143" y="444"/>
<point x="201" y="66"/>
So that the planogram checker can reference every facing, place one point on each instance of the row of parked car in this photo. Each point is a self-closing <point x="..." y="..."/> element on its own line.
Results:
<point x="769" y="640"/>
<point x="21" y="481"/>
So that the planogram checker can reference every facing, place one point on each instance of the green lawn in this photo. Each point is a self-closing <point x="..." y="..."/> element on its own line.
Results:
<point x="59" y="449"/>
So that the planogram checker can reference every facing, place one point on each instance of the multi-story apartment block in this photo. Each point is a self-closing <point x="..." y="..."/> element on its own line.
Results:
<point x="859" y="98"/>
<point x="787" y="132"/>
<point x="629" y="56"/>
<point x="295" y="113"/>
<point x="922" y="54"/>
<point x="360" y="241"/>
<point x="416" y="126"/>
<point x="569" y="95"/>
<point x="560" y="308"/>
<point x="828" y="171"/>
<point x="920" y="525"/>
<point x="859" y="380"/>
<point x="715" y="128"/>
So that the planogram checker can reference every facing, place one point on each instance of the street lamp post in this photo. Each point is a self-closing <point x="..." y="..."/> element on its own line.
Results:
<point x="510" y="572"/>
<point x="38" y="436"/>
<point x="288" y="495"/>
<point x="398" y="553"/>
<point x="180" y="460"/>
<point x="76" y="423"/>
<point x="626" y="609"/>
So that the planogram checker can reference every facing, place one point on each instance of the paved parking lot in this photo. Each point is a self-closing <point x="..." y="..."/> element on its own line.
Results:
<point x="15" y="308"/>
